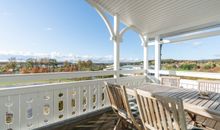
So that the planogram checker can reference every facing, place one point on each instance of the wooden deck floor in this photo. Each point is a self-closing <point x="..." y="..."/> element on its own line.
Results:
<point x="105" y="121"/>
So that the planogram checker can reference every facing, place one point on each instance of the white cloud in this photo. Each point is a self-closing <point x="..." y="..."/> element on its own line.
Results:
<point x="23" y="55"/>
<point x="197" y="43"/>
<point x="217" y="55"/>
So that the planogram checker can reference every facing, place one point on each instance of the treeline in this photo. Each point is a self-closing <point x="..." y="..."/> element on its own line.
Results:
<point x="45" y="65"/>
<point x="189" y="65"/>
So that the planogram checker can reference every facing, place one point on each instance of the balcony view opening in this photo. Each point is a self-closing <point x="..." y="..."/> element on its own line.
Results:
<point x="110" y="65"/>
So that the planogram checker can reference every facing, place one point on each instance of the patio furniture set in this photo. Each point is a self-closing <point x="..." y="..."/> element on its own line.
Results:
<point x="166" y="106"/>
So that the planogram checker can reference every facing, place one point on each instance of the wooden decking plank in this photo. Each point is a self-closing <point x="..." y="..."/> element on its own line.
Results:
<point x="209" y="123"/>
<point x="217" y="126"/>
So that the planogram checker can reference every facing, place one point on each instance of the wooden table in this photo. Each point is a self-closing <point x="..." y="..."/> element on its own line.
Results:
<point x="192" y="102"/>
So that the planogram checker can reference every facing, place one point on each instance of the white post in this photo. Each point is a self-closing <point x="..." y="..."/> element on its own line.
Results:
<point x="145" y="47"/>
<point x="116" y="40"/>
<point x="157" y="57"/>
<point x="115" y="36"/>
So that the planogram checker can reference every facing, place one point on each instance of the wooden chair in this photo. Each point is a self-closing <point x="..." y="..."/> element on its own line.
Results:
<point x="205" y="86"/>
<point x="210" y="86"/>
<point x="170" y="81"/>
<point x="119" y="102"/>
<point x="160" y="113"/>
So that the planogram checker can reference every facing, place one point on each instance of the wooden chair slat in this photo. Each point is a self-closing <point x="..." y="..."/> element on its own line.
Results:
<point x="151" y="108"/>
<point x="164" y="110"/>
<point x="145" y="103"/>
<point x="163" y="116"/>
<point x="143" y="113"/>
<point x="119" y="102"/>
<point x="208" y="85"/>
<point x="175" y="116"/>
<point x="169" y="118"/>
<point x="170" y="81"/>
<point x="159" y="123"/>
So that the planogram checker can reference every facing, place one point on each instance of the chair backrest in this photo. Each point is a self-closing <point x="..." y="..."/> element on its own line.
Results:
<point x="160" y="112"/>
<point x="119" y="101"/>
<point x="170" y="81"/>
<point x="208" y="85"/>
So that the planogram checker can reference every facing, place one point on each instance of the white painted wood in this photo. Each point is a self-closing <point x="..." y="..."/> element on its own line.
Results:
<point x="189" y="84"/>
<point x="157" y="57"/>
<point x="125" y="29"/>
<point x="131" y="71"/>
<point x="84" y="98"/>
<point x="166" y="17"/>
<point x="188" y="73"/>
<point x="46" y="106"/>
<point x="29" y="110"/>
<point x="9" y="105"/>
<point x="116" y="58"/>
<point x="145" y="47"/>
<point x="60" y="104"/>
<point x="116" y="42"/>
<point x="195" y="36"/>
<point x="49" y="76"/>
<point x="34" y="96"/>
<point x="73" y="101"/>
<point x="101" y="12"/>
<point x="38" y="105"/>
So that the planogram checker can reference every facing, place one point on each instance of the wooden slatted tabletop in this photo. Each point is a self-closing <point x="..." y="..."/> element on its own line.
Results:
<point x="192" y="102"/>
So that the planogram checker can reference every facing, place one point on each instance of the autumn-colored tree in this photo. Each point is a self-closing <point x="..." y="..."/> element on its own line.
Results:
<point x="35" y="69"/>
<point x="24" y="70"/>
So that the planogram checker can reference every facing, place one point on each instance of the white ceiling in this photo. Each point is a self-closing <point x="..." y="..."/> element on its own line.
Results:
<point x="164" y="17"/>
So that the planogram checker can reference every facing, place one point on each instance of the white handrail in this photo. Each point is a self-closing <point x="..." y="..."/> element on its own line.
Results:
<point x="33" y="106"/>
<point x="49" y="76"/>
<point x="188" y="74"/>
<point x="60" y="75"/>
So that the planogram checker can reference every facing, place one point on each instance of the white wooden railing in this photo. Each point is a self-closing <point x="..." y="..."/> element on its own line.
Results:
<point x="33" y="106"/>
<point x="186" y="83"/>
<point x="188" y="74"/>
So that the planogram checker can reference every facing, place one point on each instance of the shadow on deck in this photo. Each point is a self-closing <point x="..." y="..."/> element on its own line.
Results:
<point x="104" y="121"/>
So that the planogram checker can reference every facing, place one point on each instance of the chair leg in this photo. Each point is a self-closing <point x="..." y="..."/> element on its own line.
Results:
<point x="193" y="118"/>
<point x="118" y="125"/>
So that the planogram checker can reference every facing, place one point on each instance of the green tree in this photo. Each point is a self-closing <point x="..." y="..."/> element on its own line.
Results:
<point x="29" y="64"/>
<point x="53" y="63"/>
<point x="188" y="66"/>
<point x="12" y="64"/>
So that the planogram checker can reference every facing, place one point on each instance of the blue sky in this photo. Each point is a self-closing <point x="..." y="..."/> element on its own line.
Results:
<point x="72" y="29"/>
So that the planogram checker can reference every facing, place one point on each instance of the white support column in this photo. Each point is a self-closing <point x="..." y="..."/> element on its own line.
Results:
<point x="114" y="35"/>
<point x="116" y="41"/>
<point x="157" y="57"/>
<point x="145" y="47"/>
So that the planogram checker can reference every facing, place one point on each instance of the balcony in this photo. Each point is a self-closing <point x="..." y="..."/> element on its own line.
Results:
<point x="78" y="100"/>
<point x="46" y="105"/>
